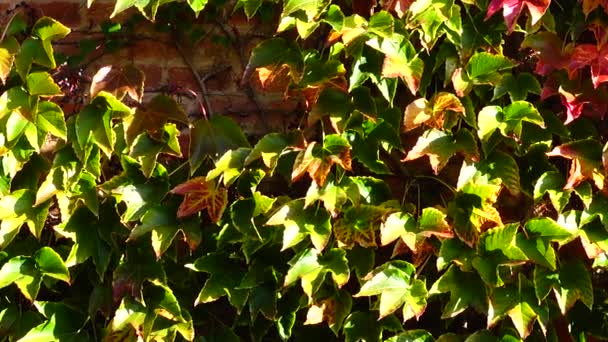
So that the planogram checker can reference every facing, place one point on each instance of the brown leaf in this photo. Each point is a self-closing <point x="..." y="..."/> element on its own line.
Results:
<point x="153" y="116"/>
<point x="416" y="113"/>
<point x="274" y="78"/>
<point x="200" y="194"/>
<point x="582" y="166"/>
<point x="119" y="81"/>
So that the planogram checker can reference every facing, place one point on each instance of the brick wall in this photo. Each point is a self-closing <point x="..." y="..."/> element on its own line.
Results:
<point x="257" y="111"/>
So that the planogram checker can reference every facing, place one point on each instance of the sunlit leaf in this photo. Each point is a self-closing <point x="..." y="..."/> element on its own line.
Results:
<point x="202" y="194"/>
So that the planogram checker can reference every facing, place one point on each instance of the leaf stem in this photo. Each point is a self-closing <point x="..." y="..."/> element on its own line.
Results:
<point x="438" y="180"/>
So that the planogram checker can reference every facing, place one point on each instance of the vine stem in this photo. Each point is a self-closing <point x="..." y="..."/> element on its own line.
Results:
<point x="438" y="180"/>
<point x="205" y="105"/>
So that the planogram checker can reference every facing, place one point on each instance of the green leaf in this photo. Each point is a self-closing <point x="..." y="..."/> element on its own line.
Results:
<point x="520" y="304"/>
<point x="362" y="326"/>
<point x="92" y="236"/>
<point x="300" y="222"/>
<point x="311" y="267"/>
<point x="502" y="239"/>
<point x="50" y="119"/>
<point x="312" y="8"/>
<point x="225" y="277"/>
<point x="483" y="65"/>
<point x="552" y="183"/>
<point x="332" y="195"/>
<point x="397" y="285"/>
<point x="51" y="264"/>
<point x="64" y="324"/>
<point x="440" y="146"/>
<point x="518" y="86"/>
<point x="268" y="148"/>
<point x="42" y="84"/>
<point x="574" y="284"/>
<point x="197" y="5"/>
<point x="23" y="272"/>
<point x="466" y="289"/>
<point x="212" y="138"/>
<point x="538" y="250"/>
<point x="551" y="230"/>
<point x="417" y="335"/>
<point x="503" y="166"/>
<point x="163" y="225"/>
<point x="47" y="28"/>
<point x="230" y="165"/>
<point x="381" y="23"/>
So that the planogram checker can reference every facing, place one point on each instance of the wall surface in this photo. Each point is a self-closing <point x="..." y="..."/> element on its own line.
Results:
<point x="220" y="65"/>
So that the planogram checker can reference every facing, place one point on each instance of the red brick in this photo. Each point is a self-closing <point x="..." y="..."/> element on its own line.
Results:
<point x="182" y="76"/>
<point x="68" y="13"/>
<point x="154" y="75"/>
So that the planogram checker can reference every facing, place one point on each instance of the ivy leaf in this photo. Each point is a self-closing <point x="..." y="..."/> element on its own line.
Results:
<point x="317" y="161"/>
<point x="586" y="156"/>
<point x="50" y="264"/>
<point x="547" y="228"/>
<point x="197" y="5"/>
<point x="550" y="56"/>
<point x="8" y="49"/>
<point x="41" y="83"/>
<point x="483" y="67"/>
<point x="311" y="267"/>
<point x="362" y="326"/>
<point x="332" y="195"/>
<point x="333" y="310"/>
<point x="436" y="18"/>
<point x="359" y="225"/>
<point x="466" y="289"/>
<point x="400" y="60"/>
<point x="152" y="117"/>
<point x="63" y="322"/>
<point x="225" y="276"/>
<point x="119" y="81"/>
<point x="571" y="283"/>
<point x="312" y="8"/>
<point x="552" y="183"/>
<point x="229" y="166"/>
<point x="518" y="86"/>
<point x="91" y="236"/>
<point x="434" y="112"/>
<point x="163" y="226"/>
<point x="440" y="146"/>
<point x="520" y="304"/>
<point x="23" y="272"/>
<point x="50" y="118"/>
<point x="146" y="149"/>
<point x="396" y="283"/>
<point x="212" y="138"/>
<point x="199" y="194"/>
<point x="512" y="10"/>
<point x="17" y="209"/>
<point x="590" y="55"/>
<point x="268" y="148"/>
<point x="418" y="335"/>
<point x="300" y="222"/>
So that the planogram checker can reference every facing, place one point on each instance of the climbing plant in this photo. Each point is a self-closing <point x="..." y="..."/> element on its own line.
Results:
<point x="446" y="180"/>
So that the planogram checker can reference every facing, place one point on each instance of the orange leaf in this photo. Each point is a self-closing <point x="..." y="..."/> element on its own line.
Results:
<point x="319" y="165"/>
<point x="200" y="193"/>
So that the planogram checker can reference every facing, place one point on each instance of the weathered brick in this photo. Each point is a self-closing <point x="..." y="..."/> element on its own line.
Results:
<point x="182" y="76"/>
<point x="154" y="75"/>
<point x="68" y="13"/>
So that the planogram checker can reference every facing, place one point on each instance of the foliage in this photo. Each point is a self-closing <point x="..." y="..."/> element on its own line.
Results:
<point x="447" y="182"/>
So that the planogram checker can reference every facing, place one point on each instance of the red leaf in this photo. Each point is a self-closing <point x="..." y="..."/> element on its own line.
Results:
<point x="398" y="7"/>
<point x="589" y="54"/>
<point x="574" y="105"/>
<point x="548" y="47"/>
<point x="511" y="9"/>
<point x="200" y="194"/>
